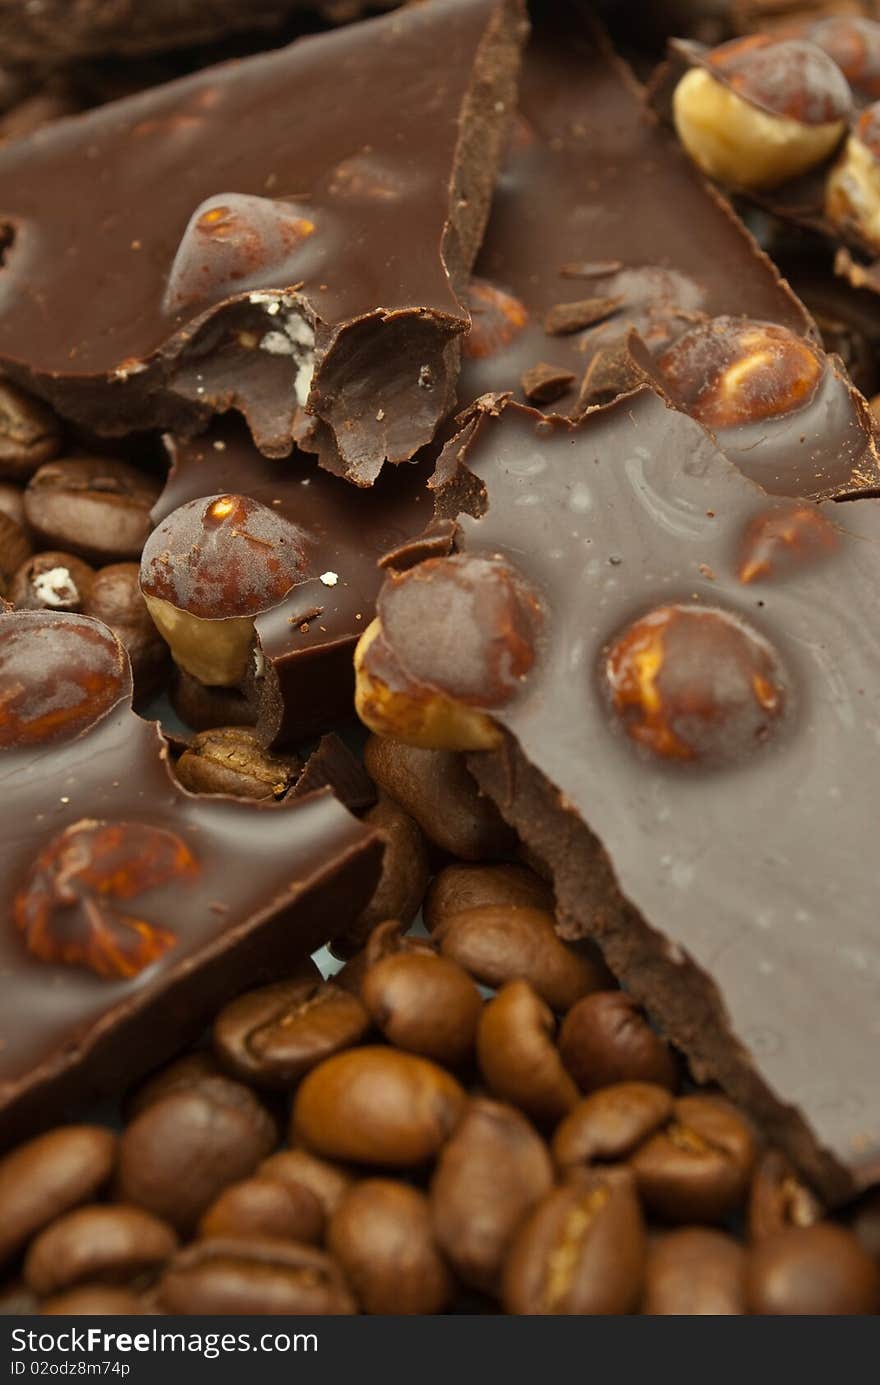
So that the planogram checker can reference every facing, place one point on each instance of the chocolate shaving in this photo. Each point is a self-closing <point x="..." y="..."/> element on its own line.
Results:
<point x="566" y="318"/>
<point x="544" y="384"/>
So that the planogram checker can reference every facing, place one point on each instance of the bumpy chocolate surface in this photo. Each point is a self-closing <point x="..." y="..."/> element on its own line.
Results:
<point x="591" y="231"/>
<point x="693" y="753"/>
<point x="129" y="908"/>
<point x="301" y="679"/>
<point x="238" y="238"/>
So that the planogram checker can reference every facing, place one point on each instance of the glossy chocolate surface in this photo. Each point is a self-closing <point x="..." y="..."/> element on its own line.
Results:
<point x="129" y="907"/>
<point x="598" y="203"/>
<point x="301" y="680"/>
<point x="733" y="892"/>
<point x="218" y="237"/>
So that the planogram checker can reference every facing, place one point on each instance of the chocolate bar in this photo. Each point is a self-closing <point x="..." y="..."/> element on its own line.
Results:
<point x="132" y="908"/>
<point x="592" y="233"/>
<point x="240" y="239"/>
<point x="667" y="681"/>
<point x="294" y="657"/>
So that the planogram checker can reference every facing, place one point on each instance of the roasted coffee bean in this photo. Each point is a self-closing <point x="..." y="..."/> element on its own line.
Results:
<point x="300" y="1168"/>
<point x="381" y="1235"/>
<point x="389" y="939"/>
<point x="186" y="1147"/>
<point x="261" y="1277"/>
<point x="778" y="1198"/>
<point x="29" y="432"/>
<point x="488" y="1177"/>
<point x="95" y="506"/>
<point x="605" y="1038"/>
<point x="51" y="581"/>
<point x="231" y="760"/>
<point x="404" y="876"/>
<point x="434" y="787"/>
<point x="184" y="1072"/>
<point x="115" y="597"/>
<point x="611" y="1123"/>
<point x="864" y="1222"/>
<point x="695" y="1271"/>
<point x="810" y="1270"/>
<point x="698" y="1166"/>
<point x="97" y="1244"/>
<point x="377" y="1106"/>
<point x="12" y="503"/>
<point x="94" y="1300"/>
<point x="15" y="549"/>
<point x="45" y="1177"/>
<point x="276" y="1034"/>
<point x="461" y="887"/>
<point x="518" y="1056"/>
<point x="424" y="1003"/>
<point x="580" y="1251"/>
<point x="204" y="708"/>
<point x="264" y="1209"/>
<point x="497" y="944"/>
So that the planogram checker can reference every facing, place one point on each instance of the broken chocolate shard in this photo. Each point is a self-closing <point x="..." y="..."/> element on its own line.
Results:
<point x="249" y="246"/>
<point x="596" y="201"/>
<point x="112" y="947"/>
<point x="544" y="384"/>
<point x="693" y="752"/>
<point x="564" y="318"/>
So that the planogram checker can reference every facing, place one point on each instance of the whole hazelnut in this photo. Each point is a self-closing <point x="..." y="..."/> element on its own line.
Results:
<point x="852" y="192"/>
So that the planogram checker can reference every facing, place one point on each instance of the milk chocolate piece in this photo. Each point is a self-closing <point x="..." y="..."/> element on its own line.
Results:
<point x="299" y="679"/>
<point x="694" y="751"/>
<point x="130" y="908"/>
<point x="249" y="242"/>
<point x="592" y="230"/>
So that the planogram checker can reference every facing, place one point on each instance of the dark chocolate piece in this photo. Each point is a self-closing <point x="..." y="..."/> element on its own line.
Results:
<point x="333" y="766"/>
<point x="238" y="239"/>
<point x="597" y="203"/>
<point x="299" y="679"/>
<point x="694" y="751"/>
<point x="130" y="908"/>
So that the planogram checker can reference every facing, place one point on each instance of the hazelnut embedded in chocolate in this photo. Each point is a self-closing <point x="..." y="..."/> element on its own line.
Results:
<point x="60" y="674"/>
<point x="760" y="111"/>
<point x="497" y="317"/>
<point x="208" y="570"/>
<point x="852" y="192"/>
<point x="476" y="657"/>
<point x="782" y="538"/>
<point x="854" y="44"/>
<point x="695" y="684"/>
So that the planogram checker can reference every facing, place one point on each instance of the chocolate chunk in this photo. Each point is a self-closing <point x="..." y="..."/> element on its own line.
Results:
<point x="333" y="766"/>
<point x="593" y="191"/>
<point x="303" y="254"/>
<point x="693" y="750"/>
<point x="544" y="384"/>
<point x="127" y="915"/>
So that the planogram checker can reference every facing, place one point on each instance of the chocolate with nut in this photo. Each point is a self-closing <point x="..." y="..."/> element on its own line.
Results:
<point x="130" y="907"/>
<point x="241" y="239"/>
<point x="668" y="679"/>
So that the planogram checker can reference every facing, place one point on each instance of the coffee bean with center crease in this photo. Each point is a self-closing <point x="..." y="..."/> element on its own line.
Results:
<point x="299" y="1167"/>
<point x="274" y="1035"/>
<point x="377" y="1106"/>
<point x="94" y="1300"/>
<point x="580" y="1251"/>
<point x="609" y="1124"/>
<point x="518" y="1056"/>
<point x="47" y="1176"/>
<point x="15" y="549"/>
<point x="115" y="597"/>
<point x="29" y="432"/>
<point x="810" y="1270"/>
<point x="460" y="886"/>
<point x="264" y="1208"/>
<point x="499" y="944"/>
<point x="95" y="506"/>
<point x="424" y="1003"/>
<point x="778" y="1198"/>
<point x="260" y="1277"/>
<point x="230" y="759"/>
<point x="434" y="787"/>
<point x="488" y="1177"/>
<point x="697" y="1167"/>
<point x="51" y="581"/>
<point x="186" y="1147"/>
<point x="404" y="876"/>
<point x="605" y="1038"/>
<point x="696" y="1271"/>
<point x="381" y="1235"/>
<point x="110" y="1244"/>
